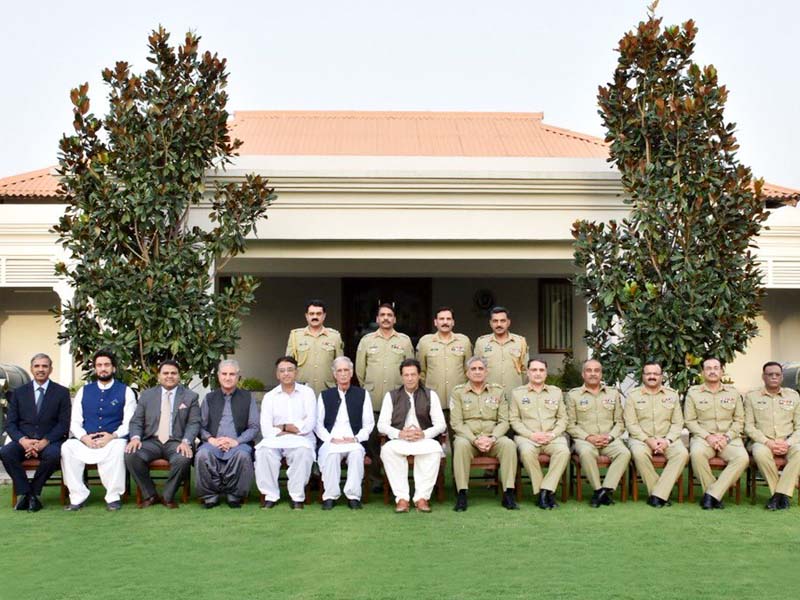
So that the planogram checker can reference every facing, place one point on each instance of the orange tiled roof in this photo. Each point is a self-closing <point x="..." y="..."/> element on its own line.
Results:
<point x="409" y="134"/>
<point x="40" y="183"/>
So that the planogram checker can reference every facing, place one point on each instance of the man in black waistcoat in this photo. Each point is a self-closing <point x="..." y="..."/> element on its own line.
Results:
<point x="229" y="424"/>
<point x="38" y="422"/>
<point x="344" y="422"/>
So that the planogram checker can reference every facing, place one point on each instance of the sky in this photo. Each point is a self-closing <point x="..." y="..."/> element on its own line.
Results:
<point x="520" y="56"/>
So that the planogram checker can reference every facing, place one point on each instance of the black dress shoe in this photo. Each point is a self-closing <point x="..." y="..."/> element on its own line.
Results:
<point x="543" y="502"/>
<point x="772" y="503"/>
<point x="234" y="503"/>
<point x="23" y="502"/>
<point x="708" y="502"/>
<point x="73" y="507"/>
<point x="114" y="506"/>
<point x="461" y="501"/>
<point x="268" y="504"/>
<point x="354" y="504"/>
<point x="509" y="502"/>
<point x="328" y="504"/>
<point x="785" y="502"/>
<point x="607" y="496"/>
<point x="718" y="504"/>
<point x="551" y="499"/>
<point x="35" y="505"/>
<point x="656" y="502"/>
<point x="297" y="505"/>
<point x="596" y="498"/>
<point x="211" y="502"/>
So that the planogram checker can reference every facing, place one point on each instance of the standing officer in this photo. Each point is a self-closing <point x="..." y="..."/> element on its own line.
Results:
<point x="654" y="421"/>
<point x="714" y="414"/>
<point x="479" y="417"/>
<point x="594" y="411"/>
<point x="506" y="353"/>
<point x="314" y="347"/>
<point x="443" y="357"/>
<point x="772" y="423"/>
<point x="378" y="361"/>
<point x="539" y="418"/>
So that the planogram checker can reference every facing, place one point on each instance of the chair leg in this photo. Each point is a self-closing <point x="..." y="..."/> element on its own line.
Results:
<point x="13" y="495"/>
<point x="625" y="487"/>
<point x="634" y="483"/>
<point x="751" y="483"/>
<point x="564" y="485"/>
<point x="578" y="483"/>
<point x="690" y="486"/>
<point x="739" y="491"/>
<point x="440" y="480"/>
<point x="518" y="483"/>
<point x="187" y="483"/>
<point x="680" y="489"/>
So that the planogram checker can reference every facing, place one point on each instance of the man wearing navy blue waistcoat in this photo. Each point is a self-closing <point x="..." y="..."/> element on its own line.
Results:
<point x="101" y="414"/>
<point x="38" y="422"/>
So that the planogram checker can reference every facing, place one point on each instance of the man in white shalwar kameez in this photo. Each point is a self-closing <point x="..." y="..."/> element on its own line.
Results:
<point x="344" y="422"/>
<point x="288" y="416"/>
<point x="411" y="417"/>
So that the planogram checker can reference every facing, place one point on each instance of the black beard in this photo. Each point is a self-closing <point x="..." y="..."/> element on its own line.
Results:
<point x="105" y="378"/>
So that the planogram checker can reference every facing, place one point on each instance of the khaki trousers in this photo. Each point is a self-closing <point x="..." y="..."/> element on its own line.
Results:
<point x="734" y="454"/>
<point x="677" y="456"/>
<point x="782" y="482"/>
<point x="529" y="456"/>
<point x="618" y="453"/>
<point x="463" y="452"/>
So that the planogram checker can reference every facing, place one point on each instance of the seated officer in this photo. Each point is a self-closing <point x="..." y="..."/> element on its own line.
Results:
<point x="479" y="418"/>
<point x="539" y="418"/>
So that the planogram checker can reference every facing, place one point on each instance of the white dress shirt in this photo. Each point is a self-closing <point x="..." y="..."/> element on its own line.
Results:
<point x="296" y="408"/>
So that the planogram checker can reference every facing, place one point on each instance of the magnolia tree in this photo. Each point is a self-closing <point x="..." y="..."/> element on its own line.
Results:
<point x="142" y="275"/>
<point x="676" y="280"/>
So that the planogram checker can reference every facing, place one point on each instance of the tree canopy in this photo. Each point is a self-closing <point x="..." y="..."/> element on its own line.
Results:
<point x="676" y="280"/>
<point x="142" y="274"/>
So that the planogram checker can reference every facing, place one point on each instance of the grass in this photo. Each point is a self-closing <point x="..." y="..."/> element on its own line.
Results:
<point x="624" y="551"/>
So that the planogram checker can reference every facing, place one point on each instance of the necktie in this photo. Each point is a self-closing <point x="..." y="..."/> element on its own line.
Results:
<point x="166" y="414"/>
<point x="39" y="398"/>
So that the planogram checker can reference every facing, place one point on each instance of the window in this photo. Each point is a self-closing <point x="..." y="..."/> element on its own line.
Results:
<point x="555" y="315"/>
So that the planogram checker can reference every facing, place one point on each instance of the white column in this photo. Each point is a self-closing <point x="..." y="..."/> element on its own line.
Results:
<point x="66" y="368"/>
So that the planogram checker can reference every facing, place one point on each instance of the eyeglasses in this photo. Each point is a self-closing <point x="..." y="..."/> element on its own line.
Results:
<point x="287" y="370"/>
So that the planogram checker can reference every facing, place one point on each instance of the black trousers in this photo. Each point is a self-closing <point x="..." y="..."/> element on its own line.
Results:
<point x="138" y="464"/>
<point x="13" y="454"/>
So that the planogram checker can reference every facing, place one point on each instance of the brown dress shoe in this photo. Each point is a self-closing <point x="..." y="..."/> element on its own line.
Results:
<point x="402" y="506"/>
<point x="422" y="505"/>
<point x="170" y="504"/>
<point x="149" y="501"/>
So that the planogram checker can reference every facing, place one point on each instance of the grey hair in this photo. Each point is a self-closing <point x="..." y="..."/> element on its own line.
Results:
<point x="229" y="362"/>
<point x="39" y="355"/>
<point x="482" y="360"/>
<point x="340" y="359"/>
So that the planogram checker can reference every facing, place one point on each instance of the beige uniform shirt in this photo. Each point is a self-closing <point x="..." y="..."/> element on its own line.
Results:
<point x="772" y="417"/>
<point x="443" y="363"/>
<point x="533" y="411"/>
<point x="507" y="361"/>
<point x="474" y="414"/>
<point x="721" y="413"/>
<point x="653" y="415"/>
<point x="314" y="355"/>
<point x="594" y="414"/>
<point x="378" y="363"/>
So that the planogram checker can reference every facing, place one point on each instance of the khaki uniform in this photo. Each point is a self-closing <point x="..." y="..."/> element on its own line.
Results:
<point x="378" y="363"/>
<point x="314" y="355"/>
<point x="472" y="415"/>
<point x="507" y="361"/>
<point x="444" y="364"/>
<point x="656" y="415"/>
<point x="598" y="414"/>
<point x="774" y="417"/>
<point x="533" y="412"/>
<point x="722" y="413"/>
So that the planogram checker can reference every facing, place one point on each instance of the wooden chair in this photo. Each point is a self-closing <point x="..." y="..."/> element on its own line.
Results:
<point x="490" y="470"/>
<point x="365" y="486"/>
<point x="89" y="479"/>
<point x="716" y="464"/>
<point x="31" y="464"/>
<point x="659" y="462"/>
<point x="753" y="481"/>
<point x="575" y="477"/>
<point x="438" y="486"/>
<point x="544" y="460"/>
<point x="162" y="465"/>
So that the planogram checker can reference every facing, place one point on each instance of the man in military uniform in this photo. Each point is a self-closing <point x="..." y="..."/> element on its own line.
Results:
<point x="594" y="413"/>
<point x="479" y="417"/>
<point x="539" y="418"/>
<point x="443" y="357"/>
<point x="654" y="421"/>
<point x="378" y="361"/>
<point x="314" y="347"/>
<point x="714" y="414"/>
<point x="772" y="423"/>
<point x="506" y="353"/>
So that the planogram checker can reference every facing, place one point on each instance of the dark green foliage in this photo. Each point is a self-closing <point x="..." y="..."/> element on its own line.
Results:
<point x="676" y="280"/>
<point x="141" y="272"/>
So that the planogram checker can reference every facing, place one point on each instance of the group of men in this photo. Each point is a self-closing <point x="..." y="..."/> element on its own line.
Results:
<point x="495" y="402"/>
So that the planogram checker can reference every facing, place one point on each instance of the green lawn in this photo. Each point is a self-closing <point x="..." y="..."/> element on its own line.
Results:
<point x="623" y="551"/>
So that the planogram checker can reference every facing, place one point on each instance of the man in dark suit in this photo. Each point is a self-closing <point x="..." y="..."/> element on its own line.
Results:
<point x="38" y="422"/>
<point x="165" y="424"/>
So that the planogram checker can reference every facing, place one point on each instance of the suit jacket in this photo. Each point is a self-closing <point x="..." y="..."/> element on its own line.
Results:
<point x="185" y="411"/>
<point x="52" y="422"/>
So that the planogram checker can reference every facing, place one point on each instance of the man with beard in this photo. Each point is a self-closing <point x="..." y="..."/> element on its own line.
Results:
<point x="101" y="414"/>
<point x="314" y="347"/>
